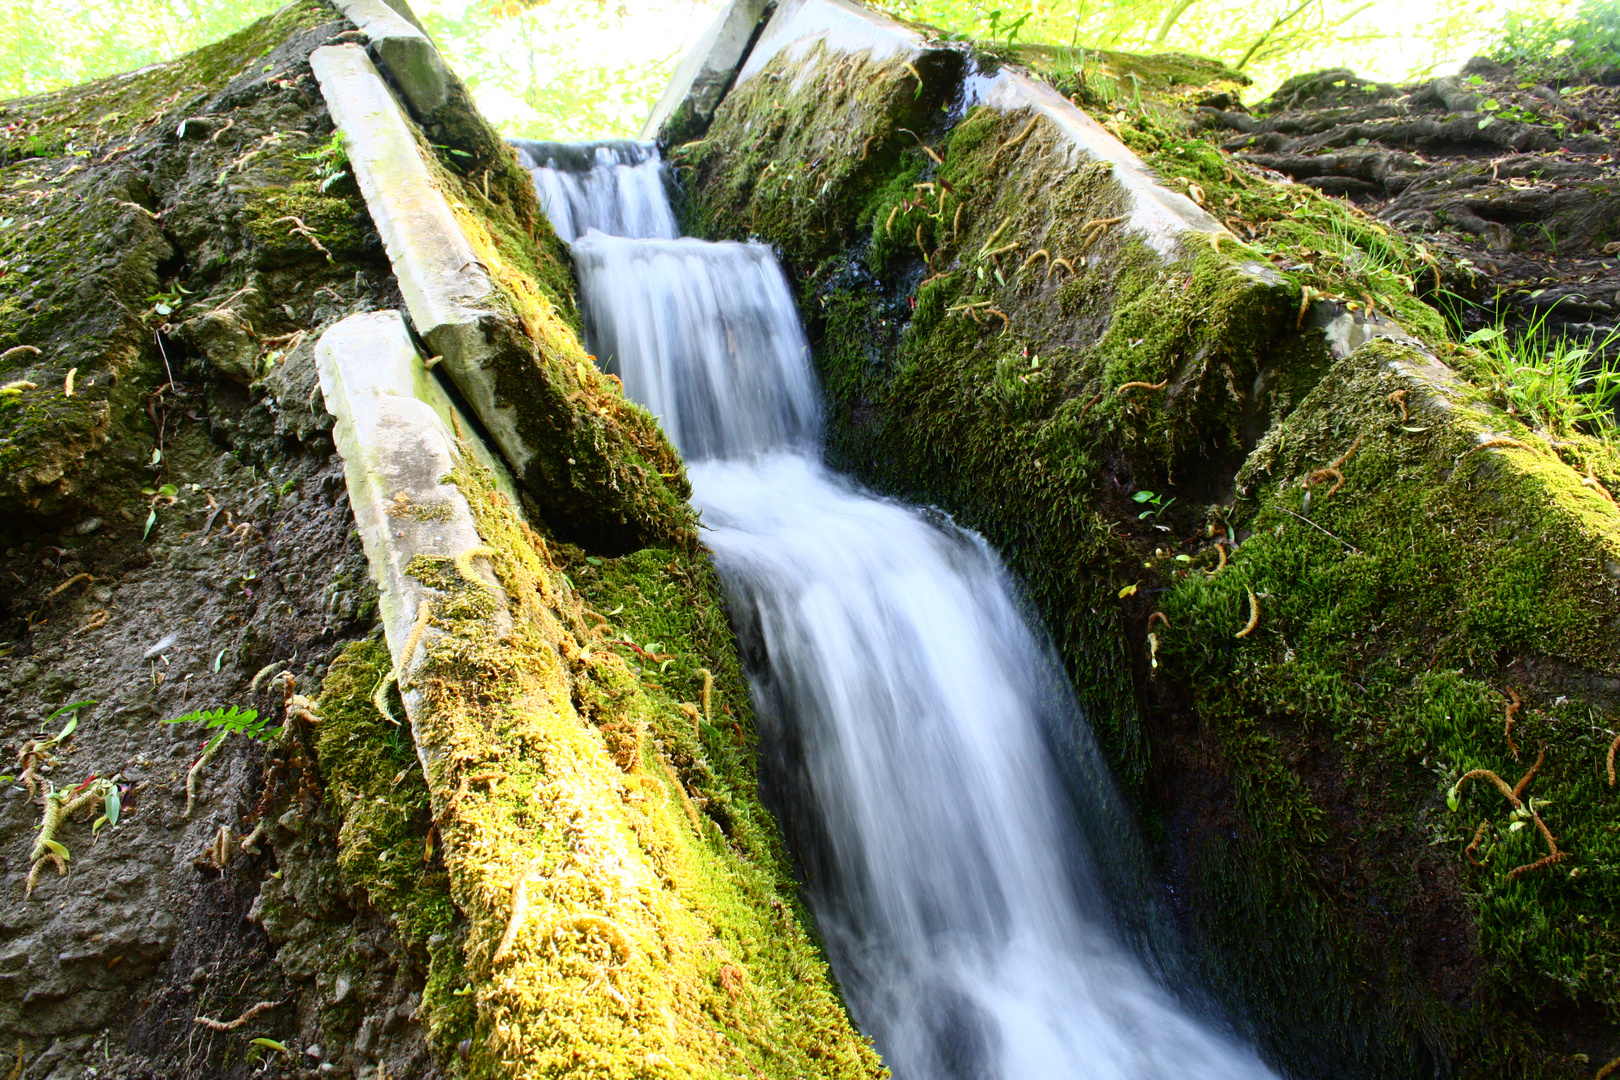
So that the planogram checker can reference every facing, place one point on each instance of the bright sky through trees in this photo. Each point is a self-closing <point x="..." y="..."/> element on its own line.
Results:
<point x="578" y="68"/>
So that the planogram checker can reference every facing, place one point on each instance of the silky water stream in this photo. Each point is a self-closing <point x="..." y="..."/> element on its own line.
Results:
<point x="956" y="861"/>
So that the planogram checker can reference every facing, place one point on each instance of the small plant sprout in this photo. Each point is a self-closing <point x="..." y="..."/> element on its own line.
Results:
<point x="1156" y="503"/>
<point x="36" y="753"/>
<point x="59" y="806"/>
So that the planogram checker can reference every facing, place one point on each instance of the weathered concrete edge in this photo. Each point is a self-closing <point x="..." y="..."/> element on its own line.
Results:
<point x="1165" y="219"/>
<point x="705" y="73"/>
<point x="447" y="290"/>
<point x="845" y="28"/>
<point x="411" y="58"/>
<point x="393" y="433"/>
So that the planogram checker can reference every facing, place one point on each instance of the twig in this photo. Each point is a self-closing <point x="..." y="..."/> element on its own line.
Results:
<point x="1319" y="529"/>
<point x="1514" y="704"/>
<point x="1473" y="845"/>
<point x="1140" y="385"/>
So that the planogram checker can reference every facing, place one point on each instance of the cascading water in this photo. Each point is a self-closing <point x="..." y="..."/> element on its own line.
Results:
<point x="905" y="702"/>
<point x="617" y="187"/>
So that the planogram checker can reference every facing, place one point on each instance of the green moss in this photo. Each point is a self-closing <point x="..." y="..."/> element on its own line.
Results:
<point x="627" y="905"/>
<point x="1451" y="575"/>
<point x="1294" y="779"/>
<point x="338" y="222"/>
<point x="373" y="779"/>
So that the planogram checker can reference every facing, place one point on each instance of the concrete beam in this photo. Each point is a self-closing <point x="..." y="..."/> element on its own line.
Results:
<point x="447" y="291"/>
<point x="706" y="73"/>
<point x="412" y="60"/>
<point x="394" y="433"/>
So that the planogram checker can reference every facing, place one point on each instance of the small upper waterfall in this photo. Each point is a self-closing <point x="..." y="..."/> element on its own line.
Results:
<point x="905" y="700"/>
<point x="734" y="383"/>
<point x="617" y="187"/>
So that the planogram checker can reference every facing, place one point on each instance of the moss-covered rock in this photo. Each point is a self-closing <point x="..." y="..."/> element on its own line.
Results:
<point x="1116" y="419"/>
<point x="98" y="272"/>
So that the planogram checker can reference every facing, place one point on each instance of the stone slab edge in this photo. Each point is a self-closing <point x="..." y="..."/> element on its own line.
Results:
<point x="706" y="71"/>
<point x="447" y="290"/>
<point x="404" y="49"/>
<point x="393" y="432"/>
<point x="1163" y="217"/>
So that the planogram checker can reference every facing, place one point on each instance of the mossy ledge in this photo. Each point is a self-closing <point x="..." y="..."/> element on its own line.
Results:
<point x="628" y="909"/>
<point x="1293" y="781"/>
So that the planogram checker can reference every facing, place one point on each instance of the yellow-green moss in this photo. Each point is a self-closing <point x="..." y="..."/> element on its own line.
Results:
<point x="375" y="785"/>
<point x="1452" y="575"/>
<point x="650" y="940"/>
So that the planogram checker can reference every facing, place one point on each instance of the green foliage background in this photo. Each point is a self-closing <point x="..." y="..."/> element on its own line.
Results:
<point x="572" y="69"/>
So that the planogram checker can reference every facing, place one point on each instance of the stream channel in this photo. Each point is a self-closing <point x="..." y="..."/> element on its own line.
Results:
<point x="972" y="871"/>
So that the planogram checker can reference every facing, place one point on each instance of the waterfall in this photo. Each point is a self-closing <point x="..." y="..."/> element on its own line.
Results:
<point x="905" y="699"/>
<point x="617" y="187"/>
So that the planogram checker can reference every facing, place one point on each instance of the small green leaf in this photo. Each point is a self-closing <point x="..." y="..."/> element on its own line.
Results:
<point x="99" y="822"/>
<point x="1183" y="558"/>
<point x="151" y="517"/>
<point x="1490" y="104"/>
<point x="218" y="660"/>
<point x="61" y="852"/>
<point x="157" y="456"/>
<point x="1142" y="496"/>
<point x="1485" y="123"/>
<point x="1489" y="333"/>
<point x="164" y="309"/>
<point x="114" y="806"/>
<point x="73" y="708"/>
<point x="1452" y="802"/>
<point x="270" y="1044"/>
<point x="168" y="491"/>
<point x="593" y="560"/>
<point x="67" y="728"/>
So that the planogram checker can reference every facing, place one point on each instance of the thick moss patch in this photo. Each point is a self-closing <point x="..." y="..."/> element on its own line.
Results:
<point x="1398" y="620"/>
<point x="628" y="908"/>
<point x="1112" y="420"/>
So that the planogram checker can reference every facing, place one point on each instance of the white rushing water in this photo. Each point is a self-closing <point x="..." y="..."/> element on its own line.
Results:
<point x="906" y="703"/>
<point x="617" y="187"/>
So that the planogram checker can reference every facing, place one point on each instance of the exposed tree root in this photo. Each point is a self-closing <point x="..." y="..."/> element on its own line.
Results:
<point x="232" y="1025"/>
